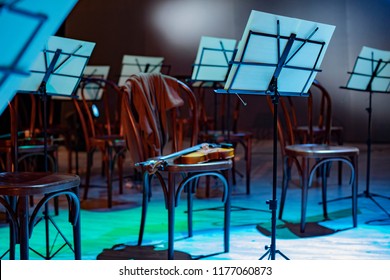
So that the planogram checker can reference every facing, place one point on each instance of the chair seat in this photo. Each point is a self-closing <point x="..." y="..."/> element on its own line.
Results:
<point x="319" y="150"/>
<point x="33" y="183"/>
<point x="15" y="191"/>
<point x="198" y="167"/>
<point x="219" y="136"/>
<point x="105" y="141"/>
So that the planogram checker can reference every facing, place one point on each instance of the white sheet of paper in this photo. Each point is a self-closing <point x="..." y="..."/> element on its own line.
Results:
<point x="19" y="44"/>
<point x="92" y="91"/>
<point x="364" y="67"/>
<point x="68" y="70"/>
<point x="262" y="52"/>
<point x="212" y="59"/>
<point x="133" y="64"/>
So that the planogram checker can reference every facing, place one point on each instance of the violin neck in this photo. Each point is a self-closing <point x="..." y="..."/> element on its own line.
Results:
<point x="188" y="150"/>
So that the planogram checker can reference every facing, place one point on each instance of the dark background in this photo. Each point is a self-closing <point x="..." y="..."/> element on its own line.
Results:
<point x="172" y="29"/>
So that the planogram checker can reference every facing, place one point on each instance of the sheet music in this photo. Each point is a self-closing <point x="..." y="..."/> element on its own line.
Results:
<point x="133" y="64"/>
<point x="68" y="70"/>
<point x="259" y="54"/>
<point x="364" y="68"/>
<point x="93" y="91"/>
<point x="33" y="22"/>
<point x="212" y="59"/>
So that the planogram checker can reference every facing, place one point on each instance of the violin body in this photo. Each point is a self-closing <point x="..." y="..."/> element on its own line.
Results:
<point x="197" y="154"/>
<point x="206" y="154"/>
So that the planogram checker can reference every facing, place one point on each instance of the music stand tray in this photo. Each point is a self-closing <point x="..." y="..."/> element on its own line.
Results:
<point x="132" y="64"/>
<point x="371" y="72"/>
<point x="212" y="59"/>
<point x="33" y="22"/>
<point x="277" y="56"/>
<point x="60" y="66"/>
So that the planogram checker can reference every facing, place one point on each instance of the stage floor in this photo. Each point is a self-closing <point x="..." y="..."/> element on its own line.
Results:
<point x="112" y="233"/>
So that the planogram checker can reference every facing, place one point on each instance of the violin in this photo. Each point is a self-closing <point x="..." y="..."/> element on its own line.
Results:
<point x="197" y="154"/>
<point x="206" y="154"/>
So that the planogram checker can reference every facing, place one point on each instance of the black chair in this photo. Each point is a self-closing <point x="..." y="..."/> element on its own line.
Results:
<point x="150" y="100"/>
<point x="111" y="145"/>
<point x="16" y="189"/>
<point x="310" y="158"/>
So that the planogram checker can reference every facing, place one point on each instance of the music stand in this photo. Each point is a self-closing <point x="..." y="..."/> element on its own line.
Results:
<point x="210" y="69"/>
<point x="56" y="71"/>
<point x="212" y="59"/>
<point x="211" y="65"/>
<point x="33" y="22"/>
<point x="132" y="64"/>
<point x="371" y="73"/>
<point x="277" y="56"/>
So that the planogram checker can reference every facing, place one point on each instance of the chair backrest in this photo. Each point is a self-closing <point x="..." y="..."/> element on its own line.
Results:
<point x="152" y="106"/>
<point x="318" y="104"/>
<point x="313" y="114"/>
<point x="324" y="108"/>
<point x="92" y="122"/>
<point x="220" y="117"/>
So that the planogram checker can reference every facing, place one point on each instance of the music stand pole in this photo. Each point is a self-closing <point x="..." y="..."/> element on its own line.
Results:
<point x="251" y="73"/>
<point x="369" y="89"/>
<point x="273" y="204"/>
<point x="367" y="192"/>
<point x="43" y="93"/>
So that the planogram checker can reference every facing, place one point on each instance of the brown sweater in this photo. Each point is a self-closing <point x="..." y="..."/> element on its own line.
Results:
<point x="152" y="95"/>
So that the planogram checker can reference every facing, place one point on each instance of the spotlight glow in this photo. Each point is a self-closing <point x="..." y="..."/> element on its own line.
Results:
<point x="181" y="23"/>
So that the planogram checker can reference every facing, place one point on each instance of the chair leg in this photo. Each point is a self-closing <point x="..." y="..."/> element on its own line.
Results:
<point x="88" y="174"/>
<point x="145" y="200"/>
<point x="324" y="178"/>
<point x="190" y="188"/>
<point x="120" y="172"/>
<point x="340" y="173"/>
<point x="286" y="177"/>
<point x="171" y="215"/>
<point x="207" y="187"/>
<point x="228" y="176"/>
<point x="248" y="157"/>
<point x="234" y="172"/>
<point x="109" y="165"/>
<point x="305" y="181"/>
<point x="354" y="161"/>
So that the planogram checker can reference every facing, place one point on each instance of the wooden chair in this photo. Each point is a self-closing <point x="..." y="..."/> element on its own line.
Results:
<point x="19" y="188"/>
<point x="317" y="115"/>
<point x="313" y="129"/>
<point x="309" y="158"/>
<point x="223" y="126"/>
<point x="112" y="146"/>
<point x="27" y="150"/>
<point x="16" y="189"/>
<point x="160" y="99"/>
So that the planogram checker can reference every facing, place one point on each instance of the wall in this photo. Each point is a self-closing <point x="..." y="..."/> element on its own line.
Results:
<point x="172" y="28"/>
